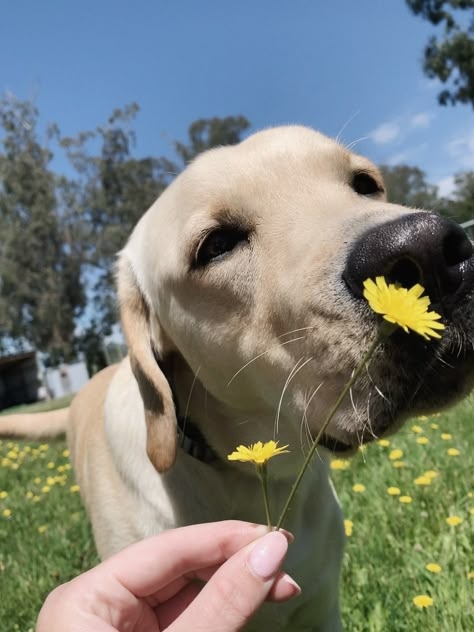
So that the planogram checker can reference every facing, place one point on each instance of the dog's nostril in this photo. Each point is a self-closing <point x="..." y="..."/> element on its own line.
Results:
<point x="456" y="248"/>
<point x="405" y="272"/>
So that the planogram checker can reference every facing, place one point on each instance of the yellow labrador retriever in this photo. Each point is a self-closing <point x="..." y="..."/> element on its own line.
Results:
<point x="241" y="299"/>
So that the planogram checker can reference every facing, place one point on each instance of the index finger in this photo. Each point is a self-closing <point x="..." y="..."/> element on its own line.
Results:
<point x="147" y="566"/>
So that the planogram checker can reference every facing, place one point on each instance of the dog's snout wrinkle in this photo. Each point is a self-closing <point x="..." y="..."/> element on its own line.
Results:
<point x="416" y="248"/>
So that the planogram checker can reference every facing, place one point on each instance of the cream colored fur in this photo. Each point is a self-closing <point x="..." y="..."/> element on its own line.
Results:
<point x="255" y="345"/>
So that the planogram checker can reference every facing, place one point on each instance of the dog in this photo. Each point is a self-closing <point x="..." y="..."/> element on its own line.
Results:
<point x="240" y="294"/>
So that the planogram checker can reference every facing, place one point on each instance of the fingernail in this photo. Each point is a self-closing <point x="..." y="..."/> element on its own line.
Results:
<point x="295" y="588"/>
<point x="267" y="554"/>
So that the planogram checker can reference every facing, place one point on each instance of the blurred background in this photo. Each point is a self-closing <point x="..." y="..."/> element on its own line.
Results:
<point x="103" y="103"/>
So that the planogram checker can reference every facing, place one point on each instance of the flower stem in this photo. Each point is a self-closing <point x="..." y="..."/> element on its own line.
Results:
<point x="382" y="333"/>
<point x="262" y="472"/>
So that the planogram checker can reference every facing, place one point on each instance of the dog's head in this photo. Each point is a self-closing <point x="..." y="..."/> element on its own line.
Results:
<point x="249" y="270"/>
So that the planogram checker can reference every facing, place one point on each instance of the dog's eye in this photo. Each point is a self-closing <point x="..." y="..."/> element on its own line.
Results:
<point x="365" y="184"/>
<point x="218" y="243"/>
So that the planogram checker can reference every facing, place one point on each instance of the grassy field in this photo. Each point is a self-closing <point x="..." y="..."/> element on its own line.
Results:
<point x="398" y="505"/>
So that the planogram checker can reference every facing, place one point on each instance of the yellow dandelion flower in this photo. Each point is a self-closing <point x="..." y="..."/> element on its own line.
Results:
<point x="405" y="499"/>
<point x="395" y="455"/>
<point x="66" y="453"/>
<point x="14" y="466"/>
<point x="470" y="494"/>
<point x="398" y="464"/>
<point x="37" y="480"/>
<point x="258" y="453"/>
<point x="422" y="601"/>
<point x="431" y="474"/>
<point x="6" y="513"/>
<point x="51" y="465"/>
<point x="36" y="499"/>
<point x="12" y="454"/>
<point x="454" y="521"/>
<point x="74" y="488"/>
<point x="5" y="462"/>
<point x="433" y="568"/>
<point x="471" y="511"/>
<point x="403" y="307"/>
<point x="67" y="467"/>
<point x="339" y="464"/>
<point x="384" y="443"/>
<point x="416" y="429"/>
<point x="422" y="417"/>
<point x="348" y="527"/>
<point x="422" y="480"/>
<point x="45" y="489"/>
<point x="445" y="436"/>
<point x="27" y="449"/>
<point x="358" y="488"/>
<point x="42" y="529"/>
<point x="29" y="494"/>
<point x="3" y="495"/>
<point x="60" y="468"/>
<point x="470" y="575"/>
<point x="422" y="440"/>
<point x="453" y="452"/>
<point x="50" y="480"/>
<point x="44" y="447"/>
<point x="434" y="426"/>
<point x="393" y="491"/>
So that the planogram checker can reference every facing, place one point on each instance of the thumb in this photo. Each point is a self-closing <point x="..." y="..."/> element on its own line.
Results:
<point x="238" y="588"/>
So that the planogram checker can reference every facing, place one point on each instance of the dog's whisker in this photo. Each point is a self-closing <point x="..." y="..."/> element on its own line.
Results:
<point x="348" y="122"/>
<point x="287" y="342"/>
<point x="294" y="331"/>
<point x="188" y="402"/>
<point x="356" y="142"/>
<point x="293" y="372"/>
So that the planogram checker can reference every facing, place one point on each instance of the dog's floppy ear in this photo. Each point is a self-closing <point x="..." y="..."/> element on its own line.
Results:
<point x="145" y="353"/>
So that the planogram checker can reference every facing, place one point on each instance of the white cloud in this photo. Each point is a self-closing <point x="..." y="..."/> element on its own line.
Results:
<point x="407" y="155"/>
<point x="385" y="133"/>
<point x="446" y="186"/>
<point x="422" y="119"/>
<point x="462" y="149"/>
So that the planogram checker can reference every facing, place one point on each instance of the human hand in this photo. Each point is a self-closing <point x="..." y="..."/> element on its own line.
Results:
<point x="158" y="583"/>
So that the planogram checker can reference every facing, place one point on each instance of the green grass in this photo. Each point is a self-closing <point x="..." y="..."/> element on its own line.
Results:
<point x="39" y="407"/>
<point x="386" y="555"/>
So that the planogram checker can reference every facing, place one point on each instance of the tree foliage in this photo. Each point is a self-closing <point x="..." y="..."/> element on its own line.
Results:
<point x="450" y="58"/>
<point x="407" y="185"/>
<point x="60" y="235"/>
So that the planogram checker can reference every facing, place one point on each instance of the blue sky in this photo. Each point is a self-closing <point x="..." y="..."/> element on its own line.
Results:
<point x="337" y="65"/>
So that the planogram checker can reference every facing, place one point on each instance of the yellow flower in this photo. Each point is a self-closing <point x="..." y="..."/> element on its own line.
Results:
<point x="339" y="464"/>
<point x="46" y="489"/>
<point x="29" y="494"/>
<point x="398" y="464"/>
<point x="348" y="526"/>
<point x="258" y="453"/>
<point x="37" y="480"/>
<point x="422" y="480"/>
<point x="471" y="511"/>
<point x="434" y="426"/>
<point x="393" y="491"/>
<point x="446" y="436"/>
<point x="6" y="513"/>
<point x="405" y="499"/>
<point x="74" y="488"/>
<point x="422" y="417"/>
<point x="422" y="440"/>
<point x="422" y="601"/>
<point x="416" y="429"/>
<point x="453" y="452"/>
<point x="433" y="568"/>
<point x="384" y="443"/>
<point x="66" y="453"/>
<point x="395" y="455"/>
<point x="402" y="307"/>
<point x="358" y="487"/>
<point x="42" y="529"/>
<point x="453" y="521"/>
<point x="51" y="465"/>
<point x="3" y="495"/>
<point x="431" y="474"/>
<point x="470" y="575"/>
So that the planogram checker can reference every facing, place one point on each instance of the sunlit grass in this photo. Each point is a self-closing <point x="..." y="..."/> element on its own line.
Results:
<point x="396" y="537"/>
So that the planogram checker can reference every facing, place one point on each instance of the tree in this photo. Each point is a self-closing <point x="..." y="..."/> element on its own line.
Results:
<point x="461" y="205"/>
<point x="450" y="59"/>
<point x="408" y="186"/>
<point x="40" y="270"/>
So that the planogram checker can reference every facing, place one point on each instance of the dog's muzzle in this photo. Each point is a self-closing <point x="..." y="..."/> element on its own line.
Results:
<point x="417" y="248"/>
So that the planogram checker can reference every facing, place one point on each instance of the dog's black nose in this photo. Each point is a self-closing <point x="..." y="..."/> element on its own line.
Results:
<point x="417" y="248"/>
